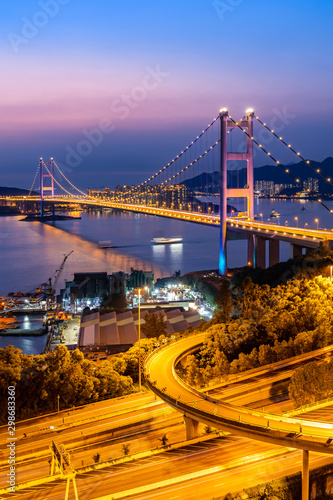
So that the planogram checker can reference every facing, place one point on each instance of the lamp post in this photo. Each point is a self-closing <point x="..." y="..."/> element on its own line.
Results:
<point x="139" y="342"/>
<point x="316" y="220"/>
<point x="58" y="397"/>
<point x="296" y="219"/>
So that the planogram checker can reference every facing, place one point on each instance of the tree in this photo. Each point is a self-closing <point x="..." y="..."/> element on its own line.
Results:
<point x="164" y="440"/>
<point x="221" y="365"/>
<point x="223" y="302"/>
<point x="126" y="449"/>
<point x="154" y="326"/>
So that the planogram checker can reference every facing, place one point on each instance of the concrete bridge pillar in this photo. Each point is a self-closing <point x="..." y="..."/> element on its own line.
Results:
<point x="274" y="252"/>
<point x="192" y="428"/>
<point x="295" y="250"/>
<point x="260" y="252"/>
<point x="250" y="250"/>
<point x="305" y="475"/>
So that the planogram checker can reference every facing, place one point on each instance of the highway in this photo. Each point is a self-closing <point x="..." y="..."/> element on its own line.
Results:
<point x="97" y="420"/>
<point x="237" y="458"/>
<point x="254" y="424"/>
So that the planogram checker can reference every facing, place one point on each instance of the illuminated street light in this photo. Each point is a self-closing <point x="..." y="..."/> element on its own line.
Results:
<point x="296" y="219"/>
<point x="316" y="220"/>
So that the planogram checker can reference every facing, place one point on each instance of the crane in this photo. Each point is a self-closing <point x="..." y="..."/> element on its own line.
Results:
<point x="50" y="289"/>
<point x="59" y="271"/>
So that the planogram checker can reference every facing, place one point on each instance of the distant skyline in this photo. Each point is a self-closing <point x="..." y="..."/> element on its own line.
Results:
<point x="139" y="80"/>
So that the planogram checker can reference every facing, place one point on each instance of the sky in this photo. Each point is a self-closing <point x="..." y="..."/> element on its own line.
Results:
<point x="114" y="90"/>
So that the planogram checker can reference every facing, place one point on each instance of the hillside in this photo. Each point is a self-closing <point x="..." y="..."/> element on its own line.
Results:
<point x="273" y="173"/>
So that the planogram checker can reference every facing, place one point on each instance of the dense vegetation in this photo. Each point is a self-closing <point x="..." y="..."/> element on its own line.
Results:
<point x="39" y="379"/>
<point x="256" y="325"/>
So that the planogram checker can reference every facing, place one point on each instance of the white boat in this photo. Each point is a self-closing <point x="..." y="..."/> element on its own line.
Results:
<point x="105" y="244"/>
<point x="166" y="241"/>
<point x="274" y="213"/>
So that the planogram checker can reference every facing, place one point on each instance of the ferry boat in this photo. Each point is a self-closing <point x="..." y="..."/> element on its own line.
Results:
<point x="105" y="244"/>
<point x="166" y="241"/>
<point x="274" y="213"/>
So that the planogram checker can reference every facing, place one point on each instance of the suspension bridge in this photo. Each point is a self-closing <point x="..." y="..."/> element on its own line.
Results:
<point x="205" y="168"/>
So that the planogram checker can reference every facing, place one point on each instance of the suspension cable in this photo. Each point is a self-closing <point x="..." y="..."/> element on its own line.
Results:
<point x="55" y="180"/>
<point x="32" y="186"/>
<point x="286" y="170"/>
<point x="192" y="163"/>
<point x="317" y="170"/>
<point x="69" y="182"/>
<point x="178" y="156"/>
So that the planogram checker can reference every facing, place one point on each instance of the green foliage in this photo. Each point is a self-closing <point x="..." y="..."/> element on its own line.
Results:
<point x="266" y="325"/>
<point x="311" y="383"/>
<point x="223" y="302"/>
<point x="154" y="326"/>
<point x="40" y="379"/>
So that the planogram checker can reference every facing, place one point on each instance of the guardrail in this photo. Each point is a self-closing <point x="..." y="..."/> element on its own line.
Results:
<point x="300" y="434"/>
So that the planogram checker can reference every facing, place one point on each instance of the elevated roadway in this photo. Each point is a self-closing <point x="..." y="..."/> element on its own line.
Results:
<point x="309" y="238"/>
<point x="198" y="407"/>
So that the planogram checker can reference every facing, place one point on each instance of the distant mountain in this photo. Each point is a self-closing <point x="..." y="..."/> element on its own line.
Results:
<point x="12" y="191"/>
<point x="274" y="173"/>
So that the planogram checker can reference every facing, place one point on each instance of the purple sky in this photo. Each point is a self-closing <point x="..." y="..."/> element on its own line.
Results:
<point x="147" y="77"/>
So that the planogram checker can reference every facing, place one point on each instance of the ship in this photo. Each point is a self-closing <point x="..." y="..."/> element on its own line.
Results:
<point x="105" y="244"/>
<point x="274" y="213"/>
<point x="166" y="241"/>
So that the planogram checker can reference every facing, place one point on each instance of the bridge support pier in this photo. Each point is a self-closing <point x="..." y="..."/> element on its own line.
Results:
<point x="295" y="250"/>
<point x="305" y="475"/>
<point x="250" y="251"/>
<point x="192" y="428"/>
<point x="274" y="252"/>
<point x="260" y="252"/>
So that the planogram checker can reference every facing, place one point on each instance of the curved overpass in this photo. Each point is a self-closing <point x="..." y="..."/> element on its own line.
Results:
<point x="198" y="407"/>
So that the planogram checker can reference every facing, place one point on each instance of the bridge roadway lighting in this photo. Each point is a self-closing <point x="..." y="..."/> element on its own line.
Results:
<point x="316" y="220"/>
<point x="296" y="219"/>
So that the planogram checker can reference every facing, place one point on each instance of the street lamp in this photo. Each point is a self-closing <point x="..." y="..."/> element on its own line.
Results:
<point x="316" y="220"/>
<point x="296" y="219"/>
<point x="139" y="341"/>
<point x="58" y="402"/>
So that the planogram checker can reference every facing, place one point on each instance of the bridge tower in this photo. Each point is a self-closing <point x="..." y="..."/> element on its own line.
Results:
<point x="225" y="192"/>
<point x="49" y="169"/>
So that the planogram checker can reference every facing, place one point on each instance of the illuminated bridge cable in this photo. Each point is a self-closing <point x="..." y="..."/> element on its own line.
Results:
<point x="192" y="163"/>
<point x="69" y="182"/>
<point x="32" y="186"/>
<point x="286" y="170"/>
<point x="55" y="180"/>
<point x="178" y="156"/>
<point x="317" y="170"/>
